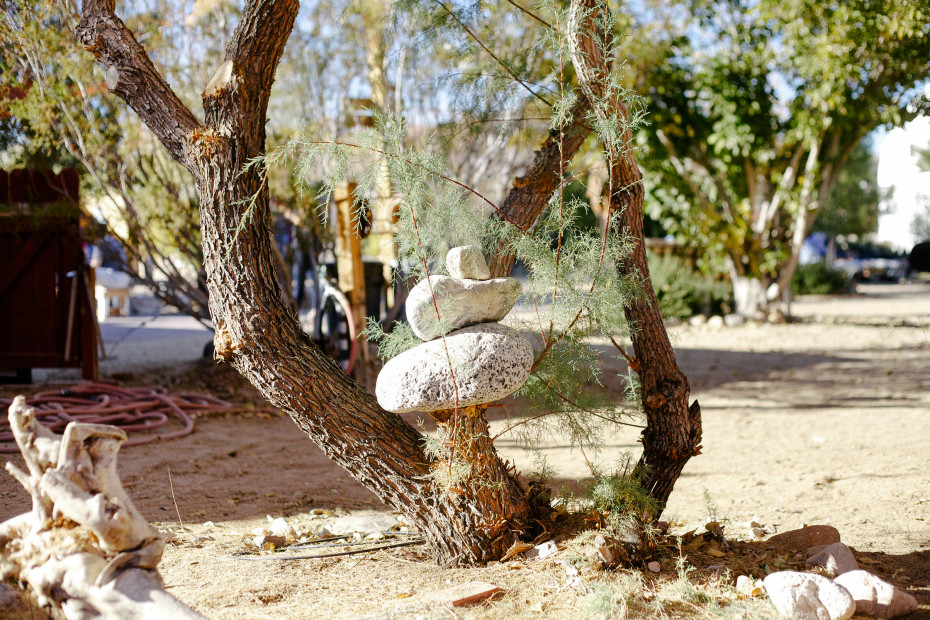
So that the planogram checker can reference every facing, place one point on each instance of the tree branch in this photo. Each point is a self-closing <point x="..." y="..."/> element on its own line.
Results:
<point x="132" y="76"/>
<point x="238" y="93"/>
<point x="673" y="430"/>
<point x="531" y="191"/>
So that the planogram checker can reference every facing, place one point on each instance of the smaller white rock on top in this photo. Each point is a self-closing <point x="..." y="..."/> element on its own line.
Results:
<point x="467" y="262"/>
<point x="460" y="303"/>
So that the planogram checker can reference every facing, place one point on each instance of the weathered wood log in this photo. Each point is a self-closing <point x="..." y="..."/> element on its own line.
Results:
<point x="84" y="548"/>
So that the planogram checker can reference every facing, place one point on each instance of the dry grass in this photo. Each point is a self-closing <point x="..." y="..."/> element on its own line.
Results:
<point x="396" y="583"/>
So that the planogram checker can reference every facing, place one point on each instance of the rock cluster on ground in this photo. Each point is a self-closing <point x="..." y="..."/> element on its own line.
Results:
<point x="810" y="596"/>
<point x="456" y="317"/>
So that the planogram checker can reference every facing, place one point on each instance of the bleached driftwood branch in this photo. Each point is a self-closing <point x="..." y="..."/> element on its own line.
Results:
<point x="84" y="547"/>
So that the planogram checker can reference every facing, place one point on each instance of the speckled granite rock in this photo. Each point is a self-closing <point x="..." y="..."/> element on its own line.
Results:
<point x="490" y="361"/>
<point x="467" y="262"/>
<point x="461" y="303"/>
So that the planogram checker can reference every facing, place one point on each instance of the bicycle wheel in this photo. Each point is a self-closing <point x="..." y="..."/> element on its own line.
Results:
<point x="335" y="330"/>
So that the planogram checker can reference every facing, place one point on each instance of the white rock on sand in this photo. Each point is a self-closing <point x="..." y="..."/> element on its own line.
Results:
<point x="490" y="361"/>
<point x="461" y="303"/>
<point x="876" y="597"/>
<point x="805" y="596"/>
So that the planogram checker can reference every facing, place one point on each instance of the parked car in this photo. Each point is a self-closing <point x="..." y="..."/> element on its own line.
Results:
<point x="871" y="262"/>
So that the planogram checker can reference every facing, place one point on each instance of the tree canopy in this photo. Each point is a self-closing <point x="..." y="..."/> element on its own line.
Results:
<point x="756" y="107"/>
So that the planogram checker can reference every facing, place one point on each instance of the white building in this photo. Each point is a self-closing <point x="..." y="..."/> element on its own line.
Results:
<point x="898" y="170"/>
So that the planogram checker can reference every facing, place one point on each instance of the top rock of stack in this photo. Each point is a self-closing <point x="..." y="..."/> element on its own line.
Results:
<point x="467" y="262"/>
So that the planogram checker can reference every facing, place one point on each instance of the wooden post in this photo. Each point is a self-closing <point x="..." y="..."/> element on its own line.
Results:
<point x="349" y="256"/>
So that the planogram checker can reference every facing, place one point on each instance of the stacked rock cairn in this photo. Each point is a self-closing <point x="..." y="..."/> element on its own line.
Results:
<point x="457" y="318"/>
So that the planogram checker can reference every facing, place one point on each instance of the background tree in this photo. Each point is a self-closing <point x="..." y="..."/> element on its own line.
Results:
<point x="68" y="118"/>
<point x="755" y="110"/>
<point x="920" y="225"/>
<point x="851" y="208"/>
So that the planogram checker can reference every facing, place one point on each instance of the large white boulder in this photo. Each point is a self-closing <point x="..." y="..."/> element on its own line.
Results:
<point x="461" y="303"/>
<point x="489" y="360"/>
<point x="805" y="596"/>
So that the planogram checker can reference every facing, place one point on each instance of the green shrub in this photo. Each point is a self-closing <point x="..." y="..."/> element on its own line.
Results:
<point x="819" y="279"/>
<point x="683" y="292"/>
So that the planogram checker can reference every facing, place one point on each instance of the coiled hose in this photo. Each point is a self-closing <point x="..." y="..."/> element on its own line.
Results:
<point x="139" y="411"/>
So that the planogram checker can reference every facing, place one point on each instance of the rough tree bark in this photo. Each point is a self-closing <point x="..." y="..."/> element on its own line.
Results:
<point x="673" y="429"/>
<point x="255" y="331"/>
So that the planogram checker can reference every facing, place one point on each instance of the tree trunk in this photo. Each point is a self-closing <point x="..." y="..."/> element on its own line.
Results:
<point x="673" y="429"/>
<point x="750" y="296"/>
<point x="255" y="330"/>
<point x="470" y="464"/>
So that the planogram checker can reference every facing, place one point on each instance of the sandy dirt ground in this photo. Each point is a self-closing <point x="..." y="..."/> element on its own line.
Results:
<point x="824" y="421"/>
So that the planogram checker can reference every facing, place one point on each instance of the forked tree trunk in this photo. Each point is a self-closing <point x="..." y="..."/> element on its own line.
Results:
<point x="256" y="331"/>
<point x="531" y="192"/>
<point x="673" y="429"/>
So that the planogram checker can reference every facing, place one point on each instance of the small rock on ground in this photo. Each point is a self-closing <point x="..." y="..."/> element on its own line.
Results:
<point x="835" y="559"/>
<point x="734" y="320"/>
<point x="542" y="551"/>
<point x="749" y="587"/>
<point x="876" y="597"/>
<point x="810" y="536"/>
<point x="805" y="596"/>
<point x="464" y="593"/>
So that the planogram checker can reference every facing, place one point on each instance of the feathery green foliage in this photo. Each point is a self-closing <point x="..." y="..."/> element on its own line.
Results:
<point x="574" y="293"/>
<point x="620" y="493"/>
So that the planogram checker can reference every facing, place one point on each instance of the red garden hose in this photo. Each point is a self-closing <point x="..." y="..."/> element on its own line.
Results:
<point x="138" y="411"/>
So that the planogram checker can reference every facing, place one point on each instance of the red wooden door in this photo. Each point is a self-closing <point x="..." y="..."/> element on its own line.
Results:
<point x="46" y="311"/>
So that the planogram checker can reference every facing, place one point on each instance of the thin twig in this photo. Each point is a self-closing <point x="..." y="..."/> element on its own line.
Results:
<point x="171" y="485"/>
<point x="490" y="53"/>
<point x="433" y="172"/>
<point x="633" y="363"/>
<point x="445" y="345"/>
<point x="548" y="413"/>
<point x="261" y="558"/>
<point x="534" y="16"/>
